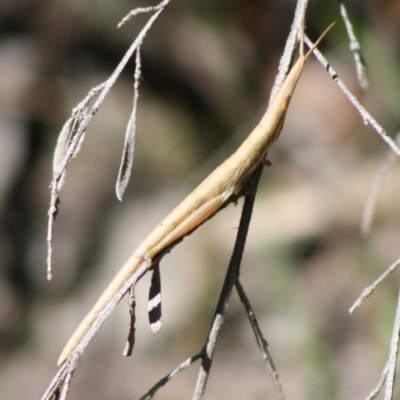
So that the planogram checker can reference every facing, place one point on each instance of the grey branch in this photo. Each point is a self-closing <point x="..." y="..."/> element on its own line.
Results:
<point x="355" y="48"/>
<point x="370" y="289"/>
<point x="83" y="124"/>
<point x="375" y="391"/>
<point x="143" y="10"/>
<point x="365" y="115"/>
<point x="130" y="136"/>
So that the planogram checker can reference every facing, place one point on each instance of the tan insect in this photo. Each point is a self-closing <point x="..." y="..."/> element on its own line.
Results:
<point x="211" y="195"/>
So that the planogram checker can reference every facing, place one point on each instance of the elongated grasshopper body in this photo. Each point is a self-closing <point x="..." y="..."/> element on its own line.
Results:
<point x="211" y="195"/>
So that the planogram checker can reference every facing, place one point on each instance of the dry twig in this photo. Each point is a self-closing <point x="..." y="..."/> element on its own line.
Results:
<point x="130" y="136"/>
<point x="355" y="48"/>
<point x="75" y="128"/>
<point x="365" y="115"/>
<point x="370" y="289"/>
<point x="130" y="342"/>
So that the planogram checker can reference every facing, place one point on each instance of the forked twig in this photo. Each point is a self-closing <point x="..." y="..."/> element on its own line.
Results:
<point x="206" y="354"/>
<point x="230" y="279"/>
<point x="234" y="265"/>
<point x="84" y="119"/>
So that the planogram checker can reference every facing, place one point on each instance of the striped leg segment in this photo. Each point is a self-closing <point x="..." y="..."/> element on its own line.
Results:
<point x="154" y="305"/>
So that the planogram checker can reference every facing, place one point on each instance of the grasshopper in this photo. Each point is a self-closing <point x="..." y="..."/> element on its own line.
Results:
<point x="222" y="185"/>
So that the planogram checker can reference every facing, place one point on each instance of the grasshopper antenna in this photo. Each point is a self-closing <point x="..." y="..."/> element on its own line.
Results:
<point x="318" y="41"/>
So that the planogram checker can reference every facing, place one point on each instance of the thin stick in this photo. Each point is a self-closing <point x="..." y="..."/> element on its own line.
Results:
<point x="375" y="391"/>
<point x="370" y="289"/>
<point x="130" y="136"/>
<point x="130" y="341"/>
<point x="355" y="48"/>
<point x="143" y="10"/>
<point x="366" y="116"/>
<point x="262" y="343"/>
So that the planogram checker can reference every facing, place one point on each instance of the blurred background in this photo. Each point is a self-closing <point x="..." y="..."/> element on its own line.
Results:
<point x="207" y="72"/>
